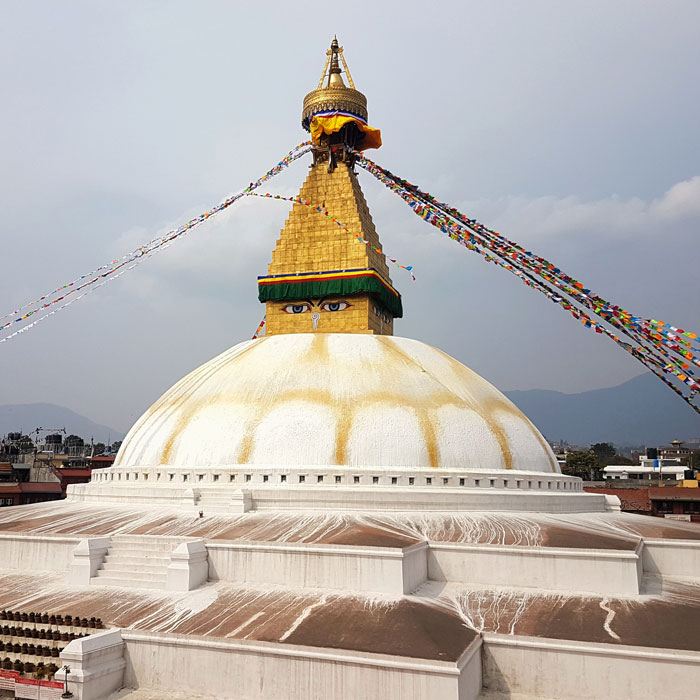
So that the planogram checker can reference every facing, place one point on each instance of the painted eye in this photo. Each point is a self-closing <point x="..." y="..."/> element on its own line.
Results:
<point x="296" y="308"/>
<point x="335" y="306"/>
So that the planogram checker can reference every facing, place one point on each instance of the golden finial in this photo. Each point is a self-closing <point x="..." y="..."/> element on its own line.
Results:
<point x="333" y="55"/>
<point x="345" y="66"/>
<point x="334" y="94"/>
<point x="334" y="77"/>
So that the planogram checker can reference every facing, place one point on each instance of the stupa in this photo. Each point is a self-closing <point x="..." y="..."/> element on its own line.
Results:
<point x="332" y="511"/>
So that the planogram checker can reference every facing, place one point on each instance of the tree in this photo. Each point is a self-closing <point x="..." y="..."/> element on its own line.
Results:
<point x="116" y="445"/>
<point x="26" y="444"/>
<point x="605" y="453"/>
<point x="99" y="448"/>
<point x="74" y="441"/>
<point x="581" y="464"/>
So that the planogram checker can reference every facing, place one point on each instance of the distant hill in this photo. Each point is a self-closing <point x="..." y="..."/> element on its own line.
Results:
<point x="640" y="411"/>
<point x="29" y="416"/>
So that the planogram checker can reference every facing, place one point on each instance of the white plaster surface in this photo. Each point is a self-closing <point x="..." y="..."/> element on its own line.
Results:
<point x="578" y="570"/>
<point x="672" y="558"/>
<point x="88" y="557"/>
<point x="423" y="500"/>
<point x="243" y="670"/>
<point x="189" y="567"/>
<point x="460" y="429"/>
<point x="150" y="694"/>
<point x="363" y="569"/>
<point x="549" y="668"/>
<point x="96" y="665"/>
<point x="556" y="494"/>
<point x="36" y="552"/>
<point x="314" y="399"/>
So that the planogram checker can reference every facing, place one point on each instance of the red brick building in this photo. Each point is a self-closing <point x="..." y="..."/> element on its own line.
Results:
<point x="661" y="501"/>
<point x="632" y="500"/>
<point x="676" y="502"/>
<point x="24" y="492"/>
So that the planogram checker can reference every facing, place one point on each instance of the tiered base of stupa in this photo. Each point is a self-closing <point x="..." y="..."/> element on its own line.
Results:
<point x="555" y="595"/>
<point x="241" y="488"/>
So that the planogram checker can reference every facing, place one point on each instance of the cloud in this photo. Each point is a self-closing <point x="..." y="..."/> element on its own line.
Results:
<point x="229" y="251"/>
<point x="682" y="201"/>
<point x="547" y="217"/>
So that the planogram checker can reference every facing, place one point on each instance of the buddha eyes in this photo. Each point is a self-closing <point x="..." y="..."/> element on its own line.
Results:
<point x="325" y="306"/>
<point x="335" y="306"/>
<point x="296" y="308"/>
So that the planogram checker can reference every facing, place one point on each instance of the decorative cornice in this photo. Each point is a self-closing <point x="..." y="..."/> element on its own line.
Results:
<point x="329" y="99"/>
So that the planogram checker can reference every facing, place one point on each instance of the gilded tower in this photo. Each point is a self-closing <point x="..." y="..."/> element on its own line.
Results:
<point x="323" y="278"/>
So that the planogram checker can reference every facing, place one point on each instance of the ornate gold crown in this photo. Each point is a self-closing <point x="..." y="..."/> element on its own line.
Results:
<point x="334" y="96"/>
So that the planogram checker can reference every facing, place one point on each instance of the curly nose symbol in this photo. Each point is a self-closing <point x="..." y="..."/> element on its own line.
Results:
<point x="315" y="318"/>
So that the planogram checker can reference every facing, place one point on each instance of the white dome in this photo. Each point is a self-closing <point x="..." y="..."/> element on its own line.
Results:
<point x="336" y="399"/>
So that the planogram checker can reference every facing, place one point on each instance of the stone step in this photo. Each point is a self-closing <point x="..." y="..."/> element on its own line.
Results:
<point x="152" y="539"/>
<point x="221" y="502"/>
<point x="126" y="583"/>
<point x="141" y="547"/>
<point x="141" y="566"/>
<point x="131" y="558"/>
<point x="131" y="578"/>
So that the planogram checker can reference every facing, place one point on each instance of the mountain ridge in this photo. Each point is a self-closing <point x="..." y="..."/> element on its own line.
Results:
<point x="640" y="411"/>
<point x="26" y="417"/>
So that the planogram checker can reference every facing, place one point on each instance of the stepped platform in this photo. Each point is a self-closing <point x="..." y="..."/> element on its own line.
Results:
<point x="598" y="530"/>
<point x="389" y="596"/>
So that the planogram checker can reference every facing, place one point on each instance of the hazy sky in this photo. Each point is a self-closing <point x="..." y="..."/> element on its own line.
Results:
<point x="570" y="126"/>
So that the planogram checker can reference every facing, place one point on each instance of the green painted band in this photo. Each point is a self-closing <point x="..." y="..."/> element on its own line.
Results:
<point x="294" y="291"/>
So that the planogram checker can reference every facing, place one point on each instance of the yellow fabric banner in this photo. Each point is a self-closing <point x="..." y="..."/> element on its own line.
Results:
<point x="335" y="122"/>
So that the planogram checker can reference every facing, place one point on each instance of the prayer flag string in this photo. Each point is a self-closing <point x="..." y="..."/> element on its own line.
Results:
<point x="330" y="217"/>
<point x="118" y="266"/>
<point x="661" y="347"/>
<point x="260" y="327"/>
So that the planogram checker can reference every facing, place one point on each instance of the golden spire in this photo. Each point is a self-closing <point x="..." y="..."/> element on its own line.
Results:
<point x="334" y="77"/>
<point x="325" y="277"/>
<point x="332" y="57"/>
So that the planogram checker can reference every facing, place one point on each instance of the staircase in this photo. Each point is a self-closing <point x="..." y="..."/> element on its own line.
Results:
<point x="215" y="501"/>
<point x="232" y="501"/>
<point x="134" y="561"/>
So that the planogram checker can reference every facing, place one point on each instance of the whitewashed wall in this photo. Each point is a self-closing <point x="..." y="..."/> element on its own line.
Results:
<point x="243" y="670"/>
<point x="672" y="558"/>
<point x="576" y="570"/>
<point x="547" y="668"/>
<point x="368" y="569"/>
<point x="36" y="552"/>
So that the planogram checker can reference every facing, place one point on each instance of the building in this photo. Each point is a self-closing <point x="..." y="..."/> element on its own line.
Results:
<point x="332" y="511"/>
<point x="648" y="470"/>
<point x="634" y="497"/>
<point x="682" y="451"/>
<point x="40" y="474"/>
<point x="676" y="503"/>
<point x="660" y="487"/>
<point x="102" y="461"/>
<point x="23" y="493"/>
